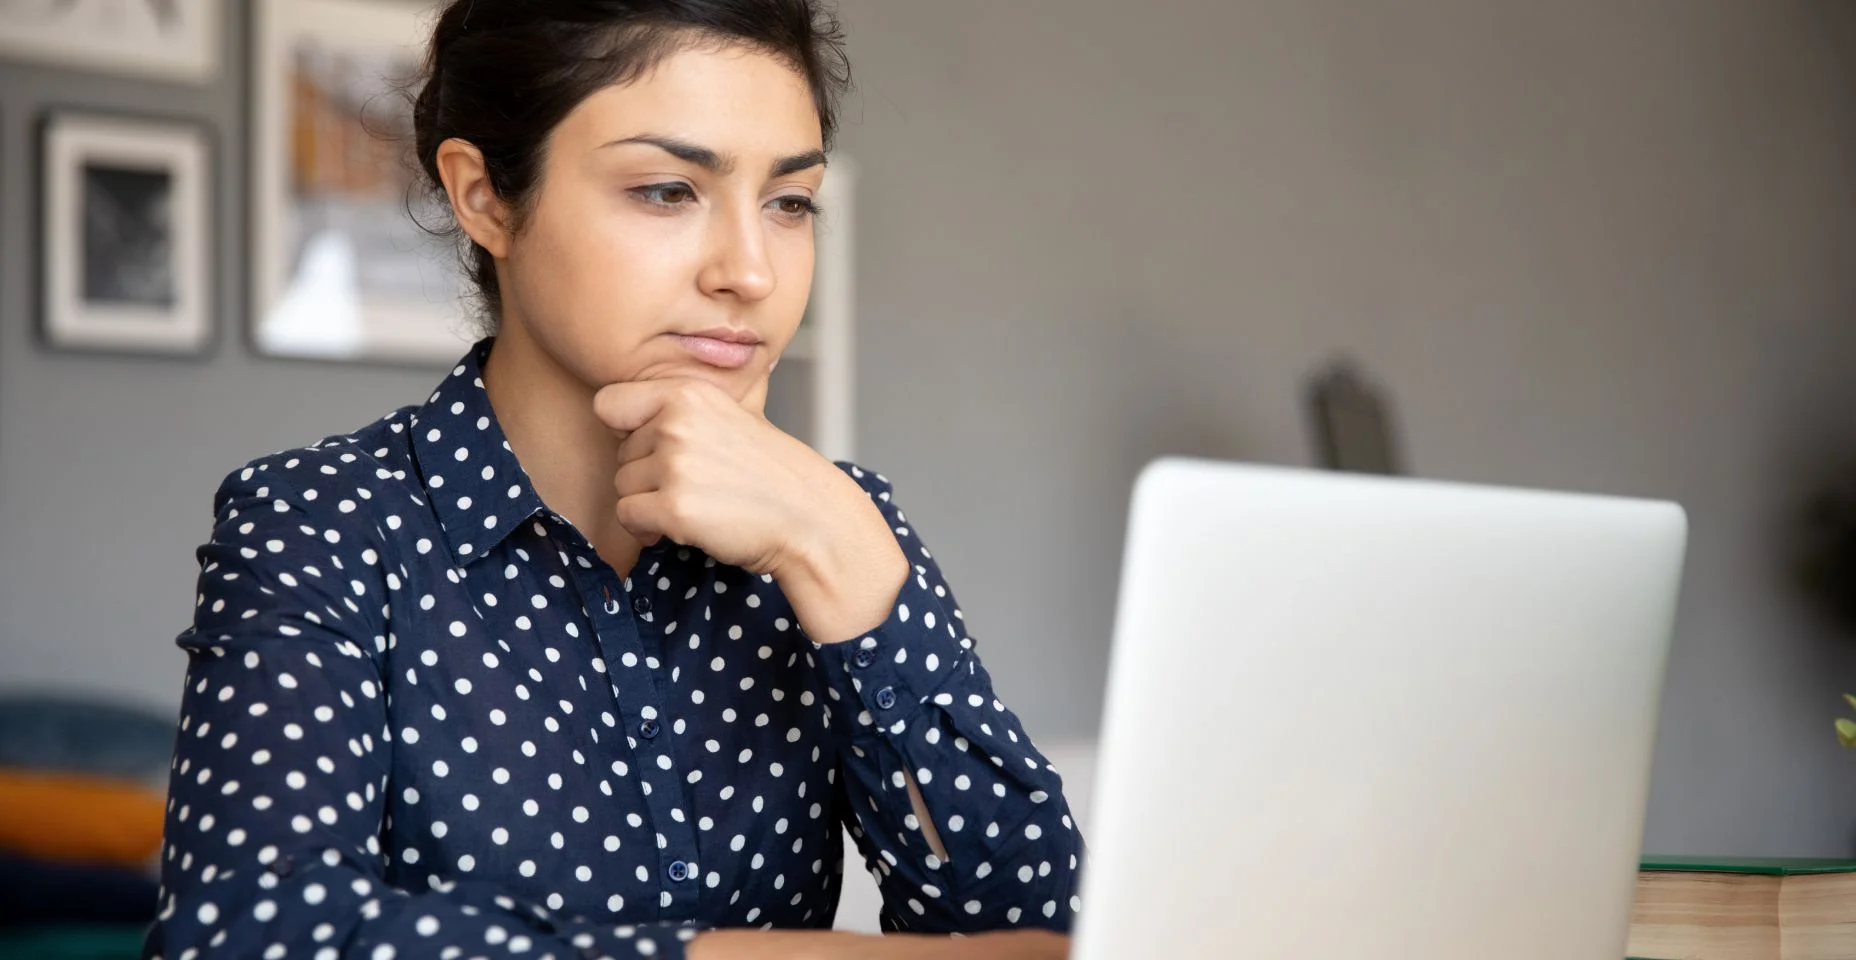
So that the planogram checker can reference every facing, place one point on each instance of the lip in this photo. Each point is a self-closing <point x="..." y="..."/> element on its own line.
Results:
<point x="728" y="335"/>
<point x="725" y="348"/>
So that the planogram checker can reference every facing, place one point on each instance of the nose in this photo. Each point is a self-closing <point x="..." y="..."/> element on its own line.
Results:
<point x="738" y="264"/>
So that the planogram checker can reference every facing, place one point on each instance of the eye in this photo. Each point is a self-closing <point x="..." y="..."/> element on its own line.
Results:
<point x="797" y="207"/>
<point x="665" y="194"/>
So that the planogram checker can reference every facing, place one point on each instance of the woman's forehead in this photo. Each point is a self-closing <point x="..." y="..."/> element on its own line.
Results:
<point x="734" y="100"/>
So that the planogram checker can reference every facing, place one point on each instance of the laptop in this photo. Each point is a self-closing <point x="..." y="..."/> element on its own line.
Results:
<point x="1365" y="717"/>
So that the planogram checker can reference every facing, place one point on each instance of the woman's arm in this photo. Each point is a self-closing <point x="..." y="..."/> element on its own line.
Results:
<point x="804" y="945"/>
<point x="919" y="726"/>
<point x="909" y="701"/>
<point x="279" y="786"/>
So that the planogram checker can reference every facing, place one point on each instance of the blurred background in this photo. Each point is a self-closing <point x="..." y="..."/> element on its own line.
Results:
<point x="1587" y="244"/>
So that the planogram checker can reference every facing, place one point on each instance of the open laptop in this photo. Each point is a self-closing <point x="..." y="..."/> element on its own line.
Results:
<point x="1376" y="718"/>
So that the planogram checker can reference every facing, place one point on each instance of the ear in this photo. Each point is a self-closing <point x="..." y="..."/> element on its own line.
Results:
<point x="479" y="211"/>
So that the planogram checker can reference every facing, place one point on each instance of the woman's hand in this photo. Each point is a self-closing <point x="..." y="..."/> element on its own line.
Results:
<point x="821" y="945"/>
<point x="708" y="471"/>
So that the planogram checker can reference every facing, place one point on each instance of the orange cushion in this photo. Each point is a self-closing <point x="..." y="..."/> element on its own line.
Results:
<point x="78" y="819"/>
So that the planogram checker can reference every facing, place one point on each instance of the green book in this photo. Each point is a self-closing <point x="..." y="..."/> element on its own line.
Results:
<point x="73" y="942"/>
<point x="1743" y="908"/>
<point x="1763" y="866"/>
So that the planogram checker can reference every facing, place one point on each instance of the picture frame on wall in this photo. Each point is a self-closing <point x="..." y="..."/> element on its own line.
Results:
<point x="340" y="271"/>
<point x="125" y="238"/>
<point x="173" y="40"/>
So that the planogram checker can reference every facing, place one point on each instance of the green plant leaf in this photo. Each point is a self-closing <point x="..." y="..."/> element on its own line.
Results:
<point x="1846" y="731"/>
<point x="1850" y="698"/>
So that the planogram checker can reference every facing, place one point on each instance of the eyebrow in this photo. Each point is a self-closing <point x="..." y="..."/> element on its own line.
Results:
<point x="718" y="163"/>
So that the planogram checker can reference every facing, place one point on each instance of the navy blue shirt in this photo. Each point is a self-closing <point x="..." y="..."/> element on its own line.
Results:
<point x="422" y="717"/>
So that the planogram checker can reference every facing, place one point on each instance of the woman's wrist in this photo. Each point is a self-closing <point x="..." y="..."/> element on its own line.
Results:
<point x="842" y="575"/>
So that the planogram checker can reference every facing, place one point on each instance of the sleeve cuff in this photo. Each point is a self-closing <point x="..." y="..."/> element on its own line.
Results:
<point x="887" y="673"/>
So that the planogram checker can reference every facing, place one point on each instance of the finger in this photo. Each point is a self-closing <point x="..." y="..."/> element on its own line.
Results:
<point x="635" y="477"/>
<point x="641" y="443"/>
<point x="647" y="516"/>
<point x="625" y="407"/>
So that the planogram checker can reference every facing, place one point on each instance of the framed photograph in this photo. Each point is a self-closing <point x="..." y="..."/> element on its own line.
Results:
<point x="166" y="39"/>
<point x="341" y="271"/>
<point x="124" y="221"/>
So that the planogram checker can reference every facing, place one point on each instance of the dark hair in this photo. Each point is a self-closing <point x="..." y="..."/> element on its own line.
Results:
<point x="501" y="74"/>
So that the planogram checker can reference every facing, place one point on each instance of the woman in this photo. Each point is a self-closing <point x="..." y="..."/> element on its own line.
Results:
<point x="582" y="656"/>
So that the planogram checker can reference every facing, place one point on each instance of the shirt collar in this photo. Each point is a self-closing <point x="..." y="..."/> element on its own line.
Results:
<point x="477" y="487"/>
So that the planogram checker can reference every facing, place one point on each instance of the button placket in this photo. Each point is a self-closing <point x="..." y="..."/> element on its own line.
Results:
<point x="640" y="701"/>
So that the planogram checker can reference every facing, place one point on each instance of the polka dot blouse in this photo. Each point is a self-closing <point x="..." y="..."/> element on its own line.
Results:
<point x="423" y="718"/>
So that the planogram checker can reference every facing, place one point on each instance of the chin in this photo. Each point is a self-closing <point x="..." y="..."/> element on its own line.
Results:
<point x="735" y="383"/>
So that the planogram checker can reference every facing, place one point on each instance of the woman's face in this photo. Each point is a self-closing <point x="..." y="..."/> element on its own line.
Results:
<point x="671" y="230"/>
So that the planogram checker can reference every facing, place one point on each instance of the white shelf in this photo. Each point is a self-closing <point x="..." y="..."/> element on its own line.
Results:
<point x="824" y="351"/>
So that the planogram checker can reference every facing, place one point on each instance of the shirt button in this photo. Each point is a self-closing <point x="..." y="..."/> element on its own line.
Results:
<point x="679" y="871"/>
<point x="282" y="866"/>
<point x="649" y="729"/>
<point x="886" y="698"/>
<point x="864" y="657"/>
<point x="641" y="605"/>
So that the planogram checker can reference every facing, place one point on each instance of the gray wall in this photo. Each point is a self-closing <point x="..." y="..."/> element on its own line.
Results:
<point x="108" y="465"/>
<point x="1599" y="245"/>
<point x="1595" y="245"/>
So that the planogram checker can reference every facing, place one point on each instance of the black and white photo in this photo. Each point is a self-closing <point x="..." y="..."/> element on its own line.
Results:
<point x="125" y="234"/>
<point x="128" y="235"/>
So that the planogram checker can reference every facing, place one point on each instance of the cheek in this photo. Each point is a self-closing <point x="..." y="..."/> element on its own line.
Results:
<point x="596" y="281"/>
<point x="794" y="260"/>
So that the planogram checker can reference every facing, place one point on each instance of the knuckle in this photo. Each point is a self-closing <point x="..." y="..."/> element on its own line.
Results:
<point x="677" y="505"/>
<point x="673" y="440"/>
